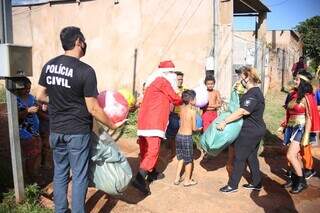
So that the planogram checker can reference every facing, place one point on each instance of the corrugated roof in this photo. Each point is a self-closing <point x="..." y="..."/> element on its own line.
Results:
<point x="35" y="2"/>
<point x="249" y="6"/>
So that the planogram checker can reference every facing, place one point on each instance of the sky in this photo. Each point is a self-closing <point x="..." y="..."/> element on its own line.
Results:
<point x="285" y="14"/>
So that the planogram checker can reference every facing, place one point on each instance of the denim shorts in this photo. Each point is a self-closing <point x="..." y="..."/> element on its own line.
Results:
<point x="293" y="134"/>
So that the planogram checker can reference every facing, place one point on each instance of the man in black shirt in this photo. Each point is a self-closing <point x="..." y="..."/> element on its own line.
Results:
<point x="71" y="87"/>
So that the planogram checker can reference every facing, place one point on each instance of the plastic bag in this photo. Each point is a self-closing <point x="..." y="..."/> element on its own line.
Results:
<point x="109" y="169"/>
<point x="201" y="95"/>
<point x="213" y="141"/>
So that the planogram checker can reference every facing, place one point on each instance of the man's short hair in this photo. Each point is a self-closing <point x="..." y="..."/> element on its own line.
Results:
<point x="187" y="96"/>
<point x="179" y="73"/>
<point x="209" y="78"/>
<point x="69" y="35"/>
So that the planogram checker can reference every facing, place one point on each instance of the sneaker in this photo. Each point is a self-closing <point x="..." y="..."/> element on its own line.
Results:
<point x="227" y="189"/>
<point x="252" y="187"/>
<point x="140" y="184"/>
<point x="308" y="173"/>
<point x="299" y="186"/>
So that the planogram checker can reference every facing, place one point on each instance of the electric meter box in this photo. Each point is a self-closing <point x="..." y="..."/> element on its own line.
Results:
<point x="15" y="60"/>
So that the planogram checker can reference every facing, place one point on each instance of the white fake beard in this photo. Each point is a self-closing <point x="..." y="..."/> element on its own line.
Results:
<point x="172" y="78"/>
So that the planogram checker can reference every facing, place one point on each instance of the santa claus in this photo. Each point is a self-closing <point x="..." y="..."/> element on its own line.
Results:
<point x="161" y="87"/>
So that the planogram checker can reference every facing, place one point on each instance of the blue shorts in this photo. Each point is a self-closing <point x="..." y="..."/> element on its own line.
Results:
<point x="184" y="148"/>
<point x="293" y="134"/>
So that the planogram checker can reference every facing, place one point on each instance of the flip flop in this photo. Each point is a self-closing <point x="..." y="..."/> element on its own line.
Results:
<point x="192" y="183"/>
<point x="178" y="182"/>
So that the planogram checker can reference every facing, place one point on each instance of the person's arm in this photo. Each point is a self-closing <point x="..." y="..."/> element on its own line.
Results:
<point x="167" y="89"/>
<point x="193" y="119"/>
<point x="307" y="128"/>
<point x="247" y="106"/>
<point x="233" y="117"/>
<point x="97" y="112"/>
<point x="41" y="94"/>
<point x="293" y="67"/>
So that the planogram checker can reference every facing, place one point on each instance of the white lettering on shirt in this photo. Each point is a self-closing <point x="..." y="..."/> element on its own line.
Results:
<point x="62" y="70"/>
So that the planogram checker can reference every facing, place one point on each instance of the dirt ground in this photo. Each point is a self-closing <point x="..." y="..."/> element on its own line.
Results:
<point x="205" y="196"/>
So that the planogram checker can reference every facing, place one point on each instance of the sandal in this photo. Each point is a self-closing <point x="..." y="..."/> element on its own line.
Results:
<point x="178" y="182"/>
<point x="191" y="183"/>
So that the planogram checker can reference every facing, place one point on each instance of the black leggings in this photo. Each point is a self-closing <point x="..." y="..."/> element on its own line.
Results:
<point x="246" y="150"/>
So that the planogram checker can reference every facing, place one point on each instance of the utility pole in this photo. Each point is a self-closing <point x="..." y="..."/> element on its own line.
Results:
<point x="7" y="37"/>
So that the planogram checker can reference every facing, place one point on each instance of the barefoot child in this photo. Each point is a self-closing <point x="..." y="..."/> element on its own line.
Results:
<point x="210" y="110"/>
<point x="184" y="143"/>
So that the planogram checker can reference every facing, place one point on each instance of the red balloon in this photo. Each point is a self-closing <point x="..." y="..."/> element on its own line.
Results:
<point x="114" y="105"/>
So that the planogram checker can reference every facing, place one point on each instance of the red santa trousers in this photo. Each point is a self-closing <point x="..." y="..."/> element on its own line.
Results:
<point x="149" y="152"/>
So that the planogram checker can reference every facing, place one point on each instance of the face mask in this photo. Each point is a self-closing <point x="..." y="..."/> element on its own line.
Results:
<point x="244" y="83"/>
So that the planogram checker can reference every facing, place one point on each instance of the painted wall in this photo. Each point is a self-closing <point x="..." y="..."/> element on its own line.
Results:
<point x="180" y="30"/>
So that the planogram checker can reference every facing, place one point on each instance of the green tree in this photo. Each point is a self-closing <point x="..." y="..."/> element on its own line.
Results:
<point x="310" y="35"/>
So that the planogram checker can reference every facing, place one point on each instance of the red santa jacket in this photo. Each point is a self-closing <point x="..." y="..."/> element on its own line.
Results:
<point x="153" y="115"/>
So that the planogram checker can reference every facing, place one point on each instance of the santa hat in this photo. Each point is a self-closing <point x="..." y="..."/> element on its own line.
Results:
<point x="166" y="66"/>
<point x="163" y="68"/>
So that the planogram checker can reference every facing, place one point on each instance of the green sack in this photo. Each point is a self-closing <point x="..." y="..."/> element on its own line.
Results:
<point x="109" y="168"/>
<point x="213" y="141"/>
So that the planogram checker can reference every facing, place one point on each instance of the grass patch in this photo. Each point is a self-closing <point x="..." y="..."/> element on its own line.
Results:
<point x="130" y="129"/>
<point x="30" y="205"/>
<point x="273" y="115"/>
<point x="2" y="94"/>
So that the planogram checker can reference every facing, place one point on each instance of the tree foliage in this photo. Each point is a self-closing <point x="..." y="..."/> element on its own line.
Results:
<point x="310" y="35"/>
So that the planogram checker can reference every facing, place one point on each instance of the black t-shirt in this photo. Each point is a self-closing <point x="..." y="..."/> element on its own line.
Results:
<point x="68" y="82"/>
<point x="253" y="102"/>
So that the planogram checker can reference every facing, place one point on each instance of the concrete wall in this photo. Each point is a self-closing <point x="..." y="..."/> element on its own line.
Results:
<point x="284" y="41"/>
<point x="180" y="30"/>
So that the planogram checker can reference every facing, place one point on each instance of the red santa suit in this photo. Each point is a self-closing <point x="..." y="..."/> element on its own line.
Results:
<point x="153" y="115"/>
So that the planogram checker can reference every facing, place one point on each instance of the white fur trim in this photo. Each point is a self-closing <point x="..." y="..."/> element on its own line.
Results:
<point x="160" y="72"/>
<point x="151" y="132"/>
<point x="170" y="69"/>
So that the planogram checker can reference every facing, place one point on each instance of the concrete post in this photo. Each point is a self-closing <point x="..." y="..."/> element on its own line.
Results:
<point x="7" y="37"/>
<point x="262" y="34"/>
<point x="224" y="49"/>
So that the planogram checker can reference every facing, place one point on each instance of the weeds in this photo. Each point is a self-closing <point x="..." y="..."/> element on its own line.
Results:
<point x="2" y="94"/>
<point x="130" y="129"/>
<point x="30" y="204"/>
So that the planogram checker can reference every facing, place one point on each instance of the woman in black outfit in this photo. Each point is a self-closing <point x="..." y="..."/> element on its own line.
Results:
<point x="247" y="144"/>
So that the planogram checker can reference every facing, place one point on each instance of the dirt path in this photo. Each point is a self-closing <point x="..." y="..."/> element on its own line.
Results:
<point x="205" y="197"/>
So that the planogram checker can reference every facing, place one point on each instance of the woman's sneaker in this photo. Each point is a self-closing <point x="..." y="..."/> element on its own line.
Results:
<point x="252" y="187"/>
<point x="308" y="173"/>
<point x="227" y="189"/>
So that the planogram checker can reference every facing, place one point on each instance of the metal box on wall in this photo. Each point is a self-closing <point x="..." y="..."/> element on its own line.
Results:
<point x="15" y="60"/>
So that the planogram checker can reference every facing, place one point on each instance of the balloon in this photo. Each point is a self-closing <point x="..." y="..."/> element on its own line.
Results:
<point x="201" y="95"/>
<point x="198" y="121"/>
<point x="114" y="105"/>
<point x="128" y="96"/>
